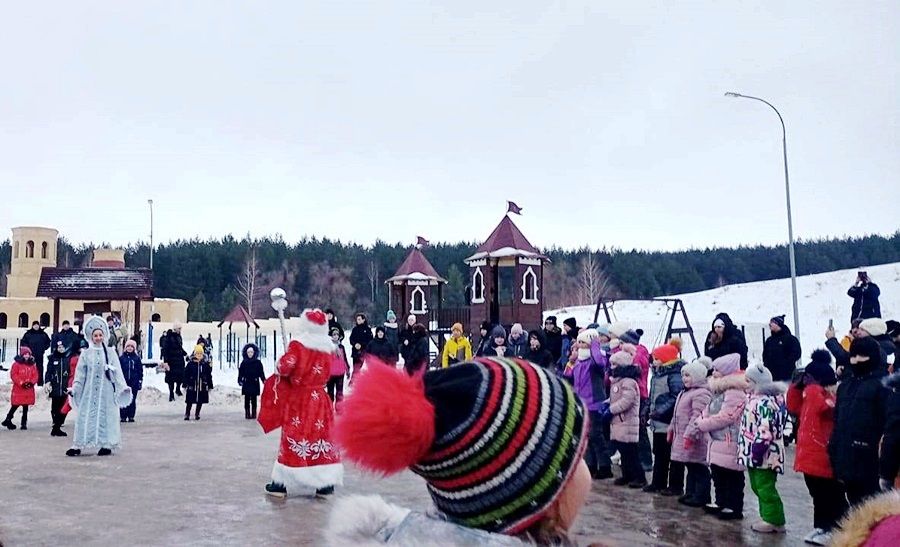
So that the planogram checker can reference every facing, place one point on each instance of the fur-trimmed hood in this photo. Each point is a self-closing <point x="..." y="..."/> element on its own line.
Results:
<point x="732" y="381"/>
<point x="627" y="371"/>
<point x="860" y="524"/>
<point x="369" y="521"/>
<point x="770" y="388"/>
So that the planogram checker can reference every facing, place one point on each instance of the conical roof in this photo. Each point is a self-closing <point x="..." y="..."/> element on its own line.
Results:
<point x="505" y="241"/>
<point x="239" y="314"/>
<point x="416" y="267"/>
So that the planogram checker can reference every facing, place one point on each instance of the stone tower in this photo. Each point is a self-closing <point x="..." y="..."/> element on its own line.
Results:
<point x="33" y="249"/>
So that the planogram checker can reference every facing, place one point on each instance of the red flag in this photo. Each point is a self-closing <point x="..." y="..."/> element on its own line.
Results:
<point x="513" y="208"/>
<point x="421" y="242"/>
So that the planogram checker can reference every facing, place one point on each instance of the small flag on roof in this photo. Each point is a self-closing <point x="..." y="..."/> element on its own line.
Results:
<point x="422" y="242"/>
<point x="513" y="208"/>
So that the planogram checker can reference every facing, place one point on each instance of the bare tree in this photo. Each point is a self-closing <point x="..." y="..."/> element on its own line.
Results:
<point x="331" y="287"/>
<point x="372" y="274"/>
<point x="248" y="280"/>
<point x="593" y="281"/>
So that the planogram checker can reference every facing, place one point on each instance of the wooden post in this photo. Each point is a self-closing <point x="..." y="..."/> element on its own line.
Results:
<point x="137" y="320"/>
<point x="55" y="315"/>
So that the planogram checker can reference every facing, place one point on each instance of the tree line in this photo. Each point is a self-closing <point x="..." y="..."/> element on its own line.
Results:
<point x="214" y="275"/>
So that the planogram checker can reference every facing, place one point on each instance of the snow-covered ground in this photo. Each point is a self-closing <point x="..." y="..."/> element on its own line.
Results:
<point x="820" y="297"/>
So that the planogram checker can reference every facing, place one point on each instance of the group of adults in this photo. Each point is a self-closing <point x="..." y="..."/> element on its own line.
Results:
<point x="388" y="342"/>
<point x="67" y="340"/>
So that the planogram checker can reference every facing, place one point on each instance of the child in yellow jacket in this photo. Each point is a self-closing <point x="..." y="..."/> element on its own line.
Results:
<point x="457" y="349"/>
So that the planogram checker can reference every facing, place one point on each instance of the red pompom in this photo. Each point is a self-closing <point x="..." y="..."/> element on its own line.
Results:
<point x="316" y="317"/>
<point x="386" y="424"/>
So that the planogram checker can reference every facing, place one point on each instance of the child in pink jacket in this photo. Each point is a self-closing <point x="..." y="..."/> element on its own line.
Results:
<point x="689" y="444"/>
<point x="24" y="375"/>
<point x="722" y="421"/>
<point x="624" y="409"/>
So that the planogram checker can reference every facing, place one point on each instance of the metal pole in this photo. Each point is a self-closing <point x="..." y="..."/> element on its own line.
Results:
<point x="787" y="192"/>
<point x="150" y="201"/>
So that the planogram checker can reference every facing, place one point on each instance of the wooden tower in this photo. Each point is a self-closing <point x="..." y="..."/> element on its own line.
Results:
<point x="506" y="278"/>
<point x="416" y="289"/>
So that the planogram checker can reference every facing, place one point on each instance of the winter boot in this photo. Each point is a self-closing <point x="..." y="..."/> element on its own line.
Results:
<point x="57" y="432"/>
<point x="729" y="514"/>
<point x="72" y="452"/>
<point x="603" y="473"/>
<point x="178" y="391"/>
<point x="327" y="491"/>
<point x="7" y="423"/>
<point x="104" y="452"/>
<point x="187" y="416"/>
<point x="276" y="490"/>
<point x="171" y="397"/>
<point x="246" y="413"/>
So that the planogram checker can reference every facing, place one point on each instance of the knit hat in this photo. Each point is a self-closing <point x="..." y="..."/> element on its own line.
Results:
<point x="632" y="336"/>
<point x="778" y="320"/>
<point x="199" y="350"/>
<point x="25" y="351"/>
<point x="457" y="327"/>
<point x="551" y="319"/>
<point x="893" y="328"/>
<point x="498" y="332"/>
<point x="865" y="347"/>
<point x="495" y="439"/>
<point x="696" y="370"/>
<point x="617" y="329"/>
<point x="669" y="352"/>
<point x="874" y="326"/>
<point x="758" y="374"/>
<point x="517" y="329"/>
<point x="602" y="330"/>
<point x="727" y="364"/>
<point x="131" y="344"/>
<point x="623" y="357"/>
<point x="587" y="336"/>
<point x="380" y="329"/>
<point x="820" y="369"/>
<point x="571" y="323"/>
<point x="391" y="316"/>
<point x="486" y="325"/>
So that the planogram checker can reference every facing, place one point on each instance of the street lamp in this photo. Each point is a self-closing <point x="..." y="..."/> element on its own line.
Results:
<point x="150" y="202"/>
<point x="787" y="192"/>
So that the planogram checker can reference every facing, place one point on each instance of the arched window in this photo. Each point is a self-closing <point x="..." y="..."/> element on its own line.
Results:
<point x="417" y="303"/>
<point x="45" y="320"/>
<point x="2" y="320"/>
<point x="23" y="320"/>
<point x="155" y="318"/>
<point x="16" y="250"/>
<point x="29" y="249"/>
<point x="477" y="286"/>
<point x="44" y="250"/>
<point x="529" y="287"/>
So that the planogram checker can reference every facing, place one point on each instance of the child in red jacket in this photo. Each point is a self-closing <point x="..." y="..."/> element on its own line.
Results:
<point x="24" y="375"/>
<point x="812" y="398"/>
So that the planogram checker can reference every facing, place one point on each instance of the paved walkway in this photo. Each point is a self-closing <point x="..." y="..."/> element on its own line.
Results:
<point x="201" y="483"/>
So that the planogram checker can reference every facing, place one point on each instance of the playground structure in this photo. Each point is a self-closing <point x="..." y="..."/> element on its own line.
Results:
<point x="668" y="328"/>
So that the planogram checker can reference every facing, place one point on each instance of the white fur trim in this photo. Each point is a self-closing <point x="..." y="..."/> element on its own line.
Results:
<point x="313" y="336"/>
<point x="357" y="520"/>
<point x="124" y="397"/>
<point x="301" y="481"/>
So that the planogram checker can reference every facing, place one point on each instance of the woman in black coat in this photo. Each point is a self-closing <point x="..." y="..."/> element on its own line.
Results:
<point x="725" y="339"/>
<point x="250" y="374"/>
<point x="382" y="348"/>
<point x="173" y="355"/>
<point x="197" y="382"/>
<point x="420" y="353"/>
<point x="360" y="337"/>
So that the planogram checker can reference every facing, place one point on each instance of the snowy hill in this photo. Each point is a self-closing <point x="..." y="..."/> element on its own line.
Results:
<point x="821" y="297"/>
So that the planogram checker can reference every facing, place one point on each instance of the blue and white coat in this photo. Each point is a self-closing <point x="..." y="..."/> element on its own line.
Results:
<point x="98" y="391"/>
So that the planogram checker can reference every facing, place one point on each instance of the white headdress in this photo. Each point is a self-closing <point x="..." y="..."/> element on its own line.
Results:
<point x="96" y="323"/>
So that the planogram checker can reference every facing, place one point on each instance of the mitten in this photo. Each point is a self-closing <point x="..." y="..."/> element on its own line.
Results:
<point x="47" y="389"/>
<point x="688" y="442"/>
<point x="886" y="485"/>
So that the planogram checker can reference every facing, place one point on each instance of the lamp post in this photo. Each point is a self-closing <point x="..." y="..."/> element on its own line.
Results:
<point x="152" y="303"/>
<point x="787" y="192"/>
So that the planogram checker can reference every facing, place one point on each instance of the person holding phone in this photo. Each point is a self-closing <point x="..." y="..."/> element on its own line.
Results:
<point x="865" y="298"/>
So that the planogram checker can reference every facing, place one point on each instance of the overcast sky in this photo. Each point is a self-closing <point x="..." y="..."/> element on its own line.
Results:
<point x="360" y="120"/>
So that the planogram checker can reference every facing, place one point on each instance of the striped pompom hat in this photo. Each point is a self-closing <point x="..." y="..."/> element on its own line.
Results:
<point x="496" y="439"/>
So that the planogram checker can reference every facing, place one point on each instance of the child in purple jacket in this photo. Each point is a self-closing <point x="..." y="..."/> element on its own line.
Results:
<point x="588" y="377"/>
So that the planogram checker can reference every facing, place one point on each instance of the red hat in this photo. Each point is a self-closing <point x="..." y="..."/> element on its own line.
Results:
<point x="25" y="351"/>
<point x="668" y="352"/>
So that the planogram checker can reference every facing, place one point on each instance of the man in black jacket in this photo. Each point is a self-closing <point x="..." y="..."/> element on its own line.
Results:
<point x="553" y="338"/>
<point x="865" y="298"/>
<point x="781" y="351"/>
<point x="38" y="342"/>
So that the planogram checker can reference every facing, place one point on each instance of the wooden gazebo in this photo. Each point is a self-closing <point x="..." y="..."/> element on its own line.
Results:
<point x="507" y="279"/>
<point x="97" y="287"/>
